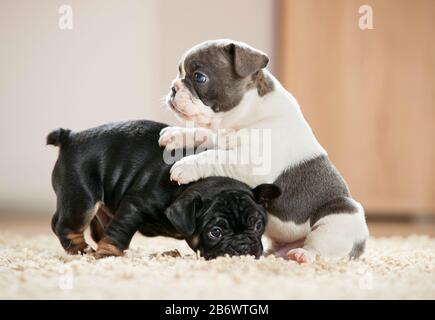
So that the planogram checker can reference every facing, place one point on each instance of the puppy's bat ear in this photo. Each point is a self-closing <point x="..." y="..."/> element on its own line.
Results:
<point x="182" y="213"/>
<point x="266" y="192"/>
<point x="246" y="59"/>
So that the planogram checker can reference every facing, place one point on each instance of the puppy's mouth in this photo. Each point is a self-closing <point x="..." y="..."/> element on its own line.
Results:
<point x="174" y="107"/>
<point x="252" y="251"/>
<point x="170" y="102"/>
<point x="231" y="251"/>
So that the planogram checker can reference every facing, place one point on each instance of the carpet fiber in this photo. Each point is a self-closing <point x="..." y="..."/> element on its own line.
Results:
<point x="159" y="268"/>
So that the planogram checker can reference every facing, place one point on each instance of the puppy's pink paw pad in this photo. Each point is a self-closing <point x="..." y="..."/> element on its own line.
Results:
<point x="301" y="255"/>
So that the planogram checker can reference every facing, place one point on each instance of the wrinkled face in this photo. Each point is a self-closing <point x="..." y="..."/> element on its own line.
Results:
<point x="213" y="78"/>
<point x="232" y="225"/>
<point x="230" y="222"/>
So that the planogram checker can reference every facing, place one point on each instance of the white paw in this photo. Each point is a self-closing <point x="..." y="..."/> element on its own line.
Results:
<point x="172" y="137"/>
<point x="301" y="255"/>
<point x="185" y="171"/>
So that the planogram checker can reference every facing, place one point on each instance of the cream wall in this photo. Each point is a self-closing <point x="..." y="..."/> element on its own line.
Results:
<point x="115" y="64"/>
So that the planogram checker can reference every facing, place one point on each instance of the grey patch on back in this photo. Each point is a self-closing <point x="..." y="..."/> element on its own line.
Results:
<point x="312" y="189"/>
<point x="339" y="205"/>
<point x="357" y="250"/>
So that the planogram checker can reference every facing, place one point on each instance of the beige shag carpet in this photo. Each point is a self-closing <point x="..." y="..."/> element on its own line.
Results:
<point x="37" y="268"/>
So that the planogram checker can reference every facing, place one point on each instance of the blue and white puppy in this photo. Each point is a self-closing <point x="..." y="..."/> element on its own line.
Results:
<point x="223" y="85"/>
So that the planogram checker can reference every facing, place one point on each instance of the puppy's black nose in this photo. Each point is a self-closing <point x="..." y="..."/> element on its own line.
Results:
<point x="173" y="91"/>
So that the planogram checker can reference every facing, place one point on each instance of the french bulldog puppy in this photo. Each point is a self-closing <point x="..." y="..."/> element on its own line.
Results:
<point x="224" y="88"/>
<point x="113" y="178"/>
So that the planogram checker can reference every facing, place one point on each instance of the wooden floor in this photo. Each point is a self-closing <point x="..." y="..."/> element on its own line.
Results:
<point x="41" y="225"/>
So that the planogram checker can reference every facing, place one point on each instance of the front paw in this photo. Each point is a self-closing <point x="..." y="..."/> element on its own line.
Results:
<point x="172" y="137"/>
<point x="185" y="171"/>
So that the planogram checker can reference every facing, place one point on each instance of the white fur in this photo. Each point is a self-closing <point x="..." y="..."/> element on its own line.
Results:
<point x="286" y="232"/>
<point x="334" y="235"/>
<point x="188" y="107"/>
<point x="331" y="237"/>
<point x="176" y="137"/>
<point x="292" y="139"/>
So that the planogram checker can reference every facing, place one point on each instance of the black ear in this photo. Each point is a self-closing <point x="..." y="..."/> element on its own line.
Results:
<point x="182" y="213"/>
<point x="246" y="59"/>
<point x="265" y="192"/>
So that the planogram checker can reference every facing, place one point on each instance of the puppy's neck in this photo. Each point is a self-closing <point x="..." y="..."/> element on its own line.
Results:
<point x="265" y="99"/>
<point x="241" y="116"/>
<point x="277" y="110"/>
<point x="247" y="111"/>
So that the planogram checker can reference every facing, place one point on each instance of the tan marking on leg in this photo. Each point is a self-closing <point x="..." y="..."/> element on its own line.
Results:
<point x="77" y="242"/>
<point x="106" y="248"/>
<point x="102" y="217"/>
<point x="103" y="214"/>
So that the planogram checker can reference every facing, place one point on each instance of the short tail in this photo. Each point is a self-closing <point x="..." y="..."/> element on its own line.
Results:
<point x="58" y="137"/>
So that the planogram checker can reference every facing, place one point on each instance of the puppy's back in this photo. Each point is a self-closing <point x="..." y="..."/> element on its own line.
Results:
<point x="116" y="131"/>
<point x="108" y="156"/>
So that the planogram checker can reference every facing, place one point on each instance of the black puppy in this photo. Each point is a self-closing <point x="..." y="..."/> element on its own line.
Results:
<point x="114" y="178"/>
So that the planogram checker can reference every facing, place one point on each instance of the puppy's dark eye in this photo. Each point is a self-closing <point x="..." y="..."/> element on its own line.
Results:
<point x="258" y="226"/>
<point x="215" y="233"/>
<point x="199" y="77"/>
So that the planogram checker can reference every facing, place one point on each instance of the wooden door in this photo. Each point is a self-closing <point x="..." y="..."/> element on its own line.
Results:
<point x="369" y="95"/>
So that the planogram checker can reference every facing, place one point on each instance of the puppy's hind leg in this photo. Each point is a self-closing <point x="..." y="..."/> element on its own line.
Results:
<point x="280" y="250"/>
<point x="103" y="217"/>
<point x="69" y="225"/>
<point x="336" y="234"/>
<point x="118" y="234"/>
